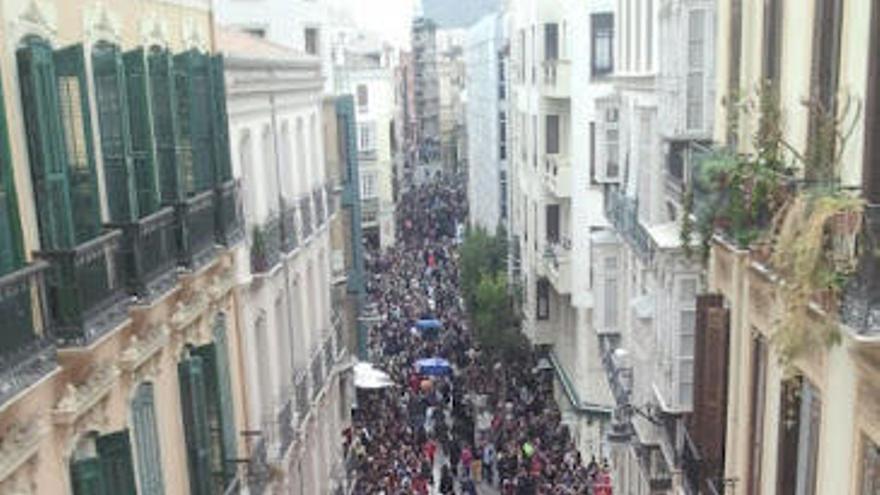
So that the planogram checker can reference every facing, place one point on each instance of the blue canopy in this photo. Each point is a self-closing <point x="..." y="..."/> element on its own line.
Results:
<point x="429" y="325"/>
<point x="433" y="366"/>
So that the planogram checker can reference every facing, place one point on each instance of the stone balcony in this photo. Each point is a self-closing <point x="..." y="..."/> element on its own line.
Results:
<point x="556" y="81"/>
<point x="557" y="175"/>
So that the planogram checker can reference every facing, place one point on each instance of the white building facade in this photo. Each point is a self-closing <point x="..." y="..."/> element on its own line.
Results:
<point x="292" y="356"/>
<point x="486" y="59"/>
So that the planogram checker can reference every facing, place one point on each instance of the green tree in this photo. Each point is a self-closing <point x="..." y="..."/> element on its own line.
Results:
<point x="480" y="254"/>
<point x="494" y="321"/>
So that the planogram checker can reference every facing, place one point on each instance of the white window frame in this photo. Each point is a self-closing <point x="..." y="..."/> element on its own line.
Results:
<point x="695" y="94"/>
<point x="687" y="319"/>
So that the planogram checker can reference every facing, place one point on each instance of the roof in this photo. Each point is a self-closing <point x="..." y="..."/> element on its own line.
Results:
<point x="245" y="45"/>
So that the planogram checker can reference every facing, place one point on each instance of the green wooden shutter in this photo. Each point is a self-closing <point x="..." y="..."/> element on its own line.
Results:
<point x="139" y="115"/>
<point x="193" y="87"/>
<point x="39" y="98"/>
<point x="195" y="420"/>
<point x="11" y="252"/>
<point x="110" y="95"/>
<point x="114" y="451"/>
<point x="220" y="122"/>
<point x="227" y="408"/>
<point x="73" y="105"/>
<point x="163" y="103"/>
<point x="146" y="439"/>
<point x="87" y="477"/>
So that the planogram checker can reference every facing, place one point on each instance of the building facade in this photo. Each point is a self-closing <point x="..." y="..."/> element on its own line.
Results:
<point x="367" y="72"/>
<point x="119" y="220"/>
<point x="426" y="89"/>
<point x="292" y="341"/>
<point x="486" y="56"/>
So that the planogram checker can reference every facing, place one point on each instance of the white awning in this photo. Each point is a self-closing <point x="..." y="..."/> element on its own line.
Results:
<point x="368" y="377"/>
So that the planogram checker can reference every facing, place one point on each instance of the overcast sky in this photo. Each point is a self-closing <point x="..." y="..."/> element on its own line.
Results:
<point x="390" y="19"/>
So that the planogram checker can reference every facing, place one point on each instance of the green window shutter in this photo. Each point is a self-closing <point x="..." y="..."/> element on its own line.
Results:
<point x="193" y="86"/>
<point x="87" y="477"/>
<point x="114" y="451"/>
<point x="73" y="99"/>
<point x="146" y="439"/>
<point x="110" y="95"/>
<point x="195" y="420"/>
<point x="227" y="407"/>
<point x="163" y="103"/>
<point x="39" y="98"/>
<point x="11" y="252"/>
<point x="139" y="113"/>
<point x="220" y="121"/>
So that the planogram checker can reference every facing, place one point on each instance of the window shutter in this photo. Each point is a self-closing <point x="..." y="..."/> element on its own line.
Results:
<point x="789" y="429"/>
<point x="214" y="395"/>
<point x="227" y="409"/>
<point x="195" y="421"/>
<point x="11" y="249"/>
<point x="146" y="439"/>
<point x="193" y="87"/>
<point x="163" y="103"/>
<point x="87" y="477"/>
<point x="141" y="131"/>
<point x="114" y="450"/>
<point x="110" y="95"/>
<point x="220" y="121"/>
<point x="73" y="99"/>
<point x="39" y="97"/>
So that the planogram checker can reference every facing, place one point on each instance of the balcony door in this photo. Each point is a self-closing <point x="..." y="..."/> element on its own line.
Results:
<point x="11" y="248"/>
<point x="102" y="465"/>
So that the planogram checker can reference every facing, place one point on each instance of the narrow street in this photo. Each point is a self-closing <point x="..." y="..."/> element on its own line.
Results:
<point x="483" y="427"/>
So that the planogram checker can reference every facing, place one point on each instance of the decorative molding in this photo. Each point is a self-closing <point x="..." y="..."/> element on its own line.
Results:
<point x="37" y="18"/>
<point x="192" y="36"/>
<point x="100" y="24"/>
<point x="18" y="445"/>
<point x="221" y="285"/>
<point x="187" y="312"/>
<point x="142" y="349"/>
<point x="81" y="399"/>
<point x="154" y="31"/>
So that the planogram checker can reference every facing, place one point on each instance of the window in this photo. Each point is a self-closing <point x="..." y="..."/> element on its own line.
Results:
<point x="827" y="23"/>
<point x="870" y="467"/>
<point x="543" y="299"/>
<point x="612" y="144"/>
<point x="502" y="135"/>
<point x="551" y="41"/>
<point x="311" y="41"/>
<point x="611" y="290"/>
<point x="799" y="421"/>
<point x="687" y="293"/>
<point x="522" y="56"/>
<point x="551" y="134"/>
<point x="102" y="464"/>
<point x="756" y="418"/>
<point x="871" y="164"/>
<point x="367" y="136"/>
<point x="502" y="78"/>
<point x="772" y="53"/>
<point x="552" y="227"/>
<point x="502" y="194"/>
<point x="146" y="441"/>
<point x="603" y="44"/>
<point x="256" y="32"/>
<point x="696" y="70"/>
<point x="734" y="62"/>
<point x="368" y="185"/>
<point x="363" y="98"/>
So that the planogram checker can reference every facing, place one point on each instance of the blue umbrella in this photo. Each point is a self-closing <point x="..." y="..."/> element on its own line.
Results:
<point x="433" y="366"/>
<point x="429" y="324"/>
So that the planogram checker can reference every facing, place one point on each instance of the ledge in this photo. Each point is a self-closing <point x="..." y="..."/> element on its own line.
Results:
<point x="79" y="399"/>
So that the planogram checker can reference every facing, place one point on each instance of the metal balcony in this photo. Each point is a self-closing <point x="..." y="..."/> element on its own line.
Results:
<point x="301" y="394"/>
<point x="556" y="82"/>
<point x="289" y="237"/>
<point x="266" y="241"/>
<point x="305" y="211"/>
<point x="195" y="232"/>
<point x="557" y="265"/>
<point x="557" y="175"/>
<point x="286" y="431"/>
<point x="318" y="198"/>
<point x="27" y="352"/>
<point x="229" y="213"/>
<point x="149" y="254"/>
<point x="85" y="291"/>
<point x="317" y="371"/>
<point x="370" y="212"/>
<point x="622" y="212"/>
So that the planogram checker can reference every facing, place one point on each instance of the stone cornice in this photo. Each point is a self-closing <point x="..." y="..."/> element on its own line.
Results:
<point x="80" y="399"/>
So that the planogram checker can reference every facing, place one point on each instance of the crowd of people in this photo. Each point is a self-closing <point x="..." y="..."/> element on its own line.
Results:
<point x="485" y="424"/>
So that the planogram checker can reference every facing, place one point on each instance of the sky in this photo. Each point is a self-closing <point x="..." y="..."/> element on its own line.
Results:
<point x="390" y="19"/>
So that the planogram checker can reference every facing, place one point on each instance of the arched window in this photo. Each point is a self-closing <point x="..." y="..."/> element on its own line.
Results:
<point x="146" y="441"/>
<point x="302" y="168"/>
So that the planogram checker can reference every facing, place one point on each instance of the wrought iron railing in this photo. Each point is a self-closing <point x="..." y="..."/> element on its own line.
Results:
<point x="317" y="373"/>
<point x="623" y="212"/>
<point x="196" y="232"/>
<point x="370" y="210"/>
<point x="229" y="213"/>
<point x="318" y="197"/>
<point x="266" y="245"/>
<point x="301" y="394"/>
<point x="691" y="462"/>
<point x="289" y="238"/>
<point x="329" y="356"/>
<point x="85" y="293"/>
<point x="305" y="211"/>
<point x="258" y="467"/>
<point x="330" y="193"/>
<point x="285" y="426"/>
<point x="24" y="365"/>
<point x="149" y="253"/>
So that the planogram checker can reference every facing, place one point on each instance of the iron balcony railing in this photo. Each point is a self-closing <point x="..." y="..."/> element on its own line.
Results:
<point x="289" y="238"/>
<point x="623" y="212"/>
<point x="149" y="253"/>
<point x="318" y="197"/>
<point x="305" y="211"/>
<point x="330" y="194"/>
<point x="258" y="467"/>
<point x="229" y="213"/>
<point x="285" y="426"/>
<point x="85" y="293"/>
<point x="329" y="356"/>
<point x="27" y="353"/>
<point x="196" y="232"/>
<point x="301" y="394"/>
<point x="266" y="245"/>
<point x="317" y="372"/>
<point x="370" y="210"/>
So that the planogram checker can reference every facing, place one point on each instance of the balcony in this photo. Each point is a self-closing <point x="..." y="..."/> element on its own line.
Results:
<point x="557" y="265"/>
<point x="557" y="175"/>
<point x="149" y="254"/>
<point x="370" y="212"/>
<point x="557" y="79"/>
<point x="27" y="354"/>
<point x="622" y="212"/>
<point x="229" y="220"/>
<point x="266" y="245"/>
<point x="301" y="394"/>
<point x="330" y="191"/>
<point x="196" y="232"/>
<point x="289" y="239"/>
<point x="317" y="372"/>
<point x="305" y="211"/>
<point x="285" y="427"/>
<point x="318" y="197"/>
<point x="85" y="293"/>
